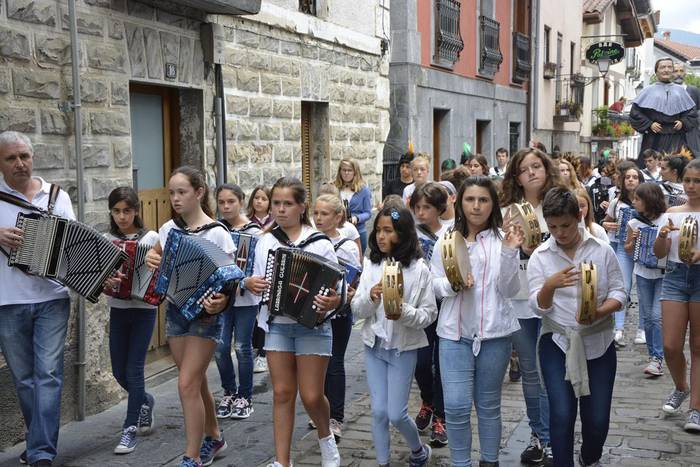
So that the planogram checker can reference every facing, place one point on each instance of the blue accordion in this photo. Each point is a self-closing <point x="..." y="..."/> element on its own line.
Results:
<point x="623" y="218"/>
<point x="245" y="251"/>
<point x="427" y="246"/>
<point x="193" y="269"/>
<point x="644" y="249"/>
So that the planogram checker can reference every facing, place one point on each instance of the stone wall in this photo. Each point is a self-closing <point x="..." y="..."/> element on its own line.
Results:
<point x="269" y="72"/>
<point x="120" y="42"/>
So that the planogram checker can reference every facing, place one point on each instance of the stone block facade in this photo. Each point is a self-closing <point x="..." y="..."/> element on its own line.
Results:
<point x="271" y="67"/>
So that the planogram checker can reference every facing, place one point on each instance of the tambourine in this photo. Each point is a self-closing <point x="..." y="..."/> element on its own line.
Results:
<point x="392" y="289"/>
<point x="588" y="286"/>
<point x="455" y="259"/>
<point x="531" y="225"/>
<point x="687" y="239"/>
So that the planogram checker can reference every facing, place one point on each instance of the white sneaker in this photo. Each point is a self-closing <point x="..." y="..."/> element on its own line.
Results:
<point x="619" y="338"/>
<point x="259" y="365"/>
<point x="641" y="337"/>
<point x="277" y="464"/>
<point x="330" y="457"/>
<point x="655" y="367"/>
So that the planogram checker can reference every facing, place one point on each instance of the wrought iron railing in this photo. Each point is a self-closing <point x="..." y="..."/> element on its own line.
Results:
<point x="569" y="104"/>
<point x="521" y="57"/>
<point x="448" y="38"/>
<point x="491" y="56"/>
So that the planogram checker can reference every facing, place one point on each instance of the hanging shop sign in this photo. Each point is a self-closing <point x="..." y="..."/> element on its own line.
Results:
<point x="611" y="50"/>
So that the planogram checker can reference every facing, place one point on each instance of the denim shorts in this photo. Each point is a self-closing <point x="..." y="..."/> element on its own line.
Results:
<point x="681" y="283"/>
<point x="300" y="340"/>
<point x="208" y="326"/>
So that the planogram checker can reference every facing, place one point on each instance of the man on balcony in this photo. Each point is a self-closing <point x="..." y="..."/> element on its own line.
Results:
<point x="664" y="113"/>
<point x="618" y="105"/>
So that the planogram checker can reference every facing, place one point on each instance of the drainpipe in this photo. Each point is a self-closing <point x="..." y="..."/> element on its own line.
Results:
<point x="220" y="116"/>
<point x="535" y="69"/>
<point x="77" y="132"/>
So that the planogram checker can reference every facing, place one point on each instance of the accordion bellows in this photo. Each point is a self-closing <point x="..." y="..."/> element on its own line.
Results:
<point x="623" y="218"/>
<point x="192" y="269"/>
<point x="644" y="249"/>
<point x="245" y="251"/>
<point x="139" y="282"/>
<point x="295" y="278"/>
<point x="74" y="254"/>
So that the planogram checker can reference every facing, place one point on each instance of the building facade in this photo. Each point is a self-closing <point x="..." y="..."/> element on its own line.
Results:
<point x="301" y="84"/>
<point x="459" y="74"/>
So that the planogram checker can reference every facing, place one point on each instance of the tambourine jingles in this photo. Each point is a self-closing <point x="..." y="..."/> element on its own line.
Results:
<point x="455" y="259"/>
<point x="528" y="219"/>
<point x="588" y="286"/>
<point x="392" y="289"/>
<point x="687" y="239"/>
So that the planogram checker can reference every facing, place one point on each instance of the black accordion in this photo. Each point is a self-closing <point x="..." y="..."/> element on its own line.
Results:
<point x="245" y="251"/>
<point x="644" y="249"/>
<point x="192" y="269"/>
<point x="70" y="252"/>
<point x="139" y="282"/>
<point x="296" y="277"/>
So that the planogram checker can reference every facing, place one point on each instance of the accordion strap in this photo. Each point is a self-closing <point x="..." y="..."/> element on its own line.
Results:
<point x="427" y="232"/>
<point x="340" y="243"/>
<point x="282" y="237"/>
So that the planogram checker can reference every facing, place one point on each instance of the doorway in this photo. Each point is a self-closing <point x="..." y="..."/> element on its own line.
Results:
<point x="441" y="140"/>
<point x="155" y="149"/>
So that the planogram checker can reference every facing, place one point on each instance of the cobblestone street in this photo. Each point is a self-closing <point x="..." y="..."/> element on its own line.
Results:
<point x="639" y="434"/>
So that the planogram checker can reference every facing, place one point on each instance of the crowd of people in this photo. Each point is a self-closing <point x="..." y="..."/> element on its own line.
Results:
<point x="517" y="307"/>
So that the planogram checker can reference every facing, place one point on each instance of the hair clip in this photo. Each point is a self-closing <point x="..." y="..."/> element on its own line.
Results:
<point x="395" y="214"/>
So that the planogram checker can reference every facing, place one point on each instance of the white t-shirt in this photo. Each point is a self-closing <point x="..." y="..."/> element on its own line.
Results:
<point x="18" y="287"/>
<point x="346" y="194"/>
<point x="348" y="230"/>
<point x="599" y="232"/>
<point x="677" y="218"/>
<point x="407" y="193"/>
<point x="149" y="238"/>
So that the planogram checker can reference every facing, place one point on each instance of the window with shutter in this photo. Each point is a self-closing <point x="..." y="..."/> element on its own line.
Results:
<point x="490" y="56"/>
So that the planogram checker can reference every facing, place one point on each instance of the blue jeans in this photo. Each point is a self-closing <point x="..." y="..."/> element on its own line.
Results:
<point x="649" y="295"/>
<point x="536" y="401"/>
<point x="32" y="338"/>
<point x="390" y="369"/>
<point x="595" y="409"/>
<point x="627" y="266"/>
<point x="473" y="380"/>
<point x="428" y="372"/>
<point x="335" y="376"/>
<point x="130" y="331"/>
<point x="363" y="239"/>
<point x="239" y="323"/>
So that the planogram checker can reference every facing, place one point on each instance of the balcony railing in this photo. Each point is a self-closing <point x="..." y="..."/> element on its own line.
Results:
<point x="610" y="125"/>
<point x="569" y="104"/>
<point x="448" y="38"/>
<point x="521" y="57"/>
<point x="491" y="56"/>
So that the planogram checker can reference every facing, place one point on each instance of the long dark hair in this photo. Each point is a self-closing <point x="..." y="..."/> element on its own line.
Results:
<point x="129" y="196"/>
<point x="512" y="191"/>
<point x="434" y="194"/>
<point x="623" y="168"/>
<point x="233" y="188"/>
<point x="408" y="248"/>
<point x="495" y="218"/>
<point x="299" y="194"/>
<point x="677" y="164"/>
<point x="264" y="189"/>
<point x="197" y="180"/>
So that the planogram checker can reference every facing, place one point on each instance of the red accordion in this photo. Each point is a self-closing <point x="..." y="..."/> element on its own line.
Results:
<point x="138" y="282"/>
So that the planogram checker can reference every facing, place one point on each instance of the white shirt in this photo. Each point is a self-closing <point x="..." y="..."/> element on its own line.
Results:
<point x="269" y="242"/>
<point x="614" y="212"/>
<point x="348" y="230"/>
<point x="548" y="259"/>
<point x="348" y="251"/>
<point x="677" y="218"/>
<point x="597" y="231"/>
<point x="149" y="238"/>
<point x="640" y="269"/>
<point x="18" y="287"/>
<point x="408" y="192"/>
<point x="651" y="176"/>
<point x="346" y="194"/>
<point x="497" y="171"/>
<point x="483" y="311"/>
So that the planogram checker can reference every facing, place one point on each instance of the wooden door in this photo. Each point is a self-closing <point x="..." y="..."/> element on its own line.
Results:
<point x="155" y="152"/>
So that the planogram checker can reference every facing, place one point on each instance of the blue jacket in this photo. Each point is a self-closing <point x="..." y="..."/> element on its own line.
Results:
<point x="360" y="206"/>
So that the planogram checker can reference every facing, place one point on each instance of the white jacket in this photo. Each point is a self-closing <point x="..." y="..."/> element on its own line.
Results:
<point x="483" y="311"/>
<point x="418" y="311"/>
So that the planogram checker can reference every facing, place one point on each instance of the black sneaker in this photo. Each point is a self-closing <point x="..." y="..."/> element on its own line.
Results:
<point x="514" y="371"/>
<point x="424" y="417"/>
<point x="548" y="458"/>
<point x="146" y="420"/>
<point x="534" y="453"/>
<point x="438" y="434"/>
<point x="23" y="457"/>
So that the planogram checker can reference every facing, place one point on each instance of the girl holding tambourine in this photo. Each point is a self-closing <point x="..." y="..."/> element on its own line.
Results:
<point x="578" y="361"/>
<point x="528" y="177"/>
<point x="476" y="322"/>
<point x="391" y="345"/>
<point x="680" y="296"/>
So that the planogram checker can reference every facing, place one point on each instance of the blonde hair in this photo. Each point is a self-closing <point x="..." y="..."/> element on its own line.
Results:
<point x="424" y="156"/>
<point x="357" y="182"/>
<point x="588" y="220"/>
<point x="328" y="188"/>
<point x="334" y="201"/>
<point x="572" y="182"/>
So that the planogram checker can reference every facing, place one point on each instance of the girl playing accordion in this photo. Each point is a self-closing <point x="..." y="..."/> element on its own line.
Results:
<point x="193" y="343"/>
<point x="296" y="355"/>
<point x="391" y="345"/>
<point x="131" y="323"/>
